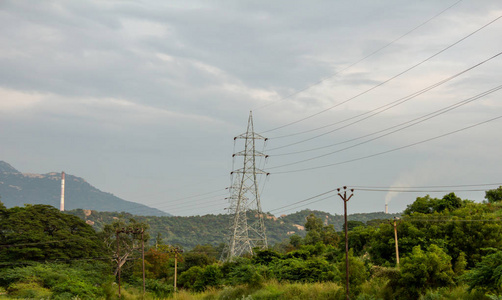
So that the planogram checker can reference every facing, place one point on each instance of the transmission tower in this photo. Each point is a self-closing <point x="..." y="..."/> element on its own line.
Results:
<point x="247" y="229"/>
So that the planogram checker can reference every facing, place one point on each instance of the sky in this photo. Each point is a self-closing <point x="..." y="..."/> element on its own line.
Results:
<point x="143" y="99"/>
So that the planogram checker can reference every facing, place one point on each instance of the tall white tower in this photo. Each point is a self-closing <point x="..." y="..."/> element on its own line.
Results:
<point x="61" y="205"/>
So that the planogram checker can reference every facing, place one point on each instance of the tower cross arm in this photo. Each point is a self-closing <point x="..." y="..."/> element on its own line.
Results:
<point x="256" y="153"/>
<point x="251" y="135"/>
<point x="256" y="171"/>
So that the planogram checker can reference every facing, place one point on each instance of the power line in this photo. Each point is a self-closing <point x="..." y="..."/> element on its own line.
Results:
<point x="302" y="205"/>
<point x="424" y="187"/>
<point x="379" y="109"/>
<point x="388" y="80"/>
<point x="209" y="205"/>
<point x="304" y="200"/>
<point x="140" y="207"/>
<point x="392" y="150"/>
<point x="360" y="60"/>
<point x="385" y="189"/>
<point x="420" y="120"/>
<point x="419" y="191"/>
<point x="191" y="203"/>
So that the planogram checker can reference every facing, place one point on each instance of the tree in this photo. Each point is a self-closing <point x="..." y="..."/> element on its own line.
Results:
<point x="487" y="275"/>
<point x="201" y="255"/>
<point x="198" y="279"/>
<point x="423" y="270"/>
<point x="358" y="273"/>
<point x="449" y="202"/>
<point x="3" y="209"/>
<point x="129" y="237"/>
<point x="494" y="195"/>
<point x="352" y="224"/>
<point x="424" y="205"/>
<point x="42" y="232"/>
<point x="317" y="232"/>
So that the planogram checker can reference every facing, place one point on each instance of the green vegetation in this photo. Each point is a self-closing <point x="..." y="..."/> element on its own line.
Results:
<point x="189" y="232"/>
<point x="449" y="248"/>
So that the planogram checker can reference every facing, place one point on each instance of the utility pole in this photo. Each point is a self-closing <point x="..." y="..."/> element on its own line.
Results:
<point x="345" y="200"/>
<point x="117" y="232"/>
<point x="176" y="251"/>
<point x="395" y="238"/>
<point x="143" y="258"/>
<point x="245" y="199"/>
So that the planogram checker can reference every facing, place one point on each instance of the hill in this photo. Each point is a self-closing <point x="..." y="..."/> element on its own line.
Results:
<point x="212" y="229"/>
<point x="17" y="189"/>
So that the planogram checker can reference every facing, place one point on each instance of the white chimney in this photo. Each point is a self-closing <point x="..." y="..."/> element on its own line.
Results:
<point x="386" y="208"/>
<point x="61" y="206"/>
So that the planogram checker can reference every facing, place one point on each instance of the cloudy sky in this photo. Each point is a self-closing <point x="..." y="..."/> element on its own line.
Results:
<point x="143" y="98"/>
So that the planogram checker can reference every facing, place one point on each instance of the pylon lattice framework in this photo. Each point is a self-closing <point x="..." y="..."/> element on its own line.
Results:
<point x="246" y="233"/>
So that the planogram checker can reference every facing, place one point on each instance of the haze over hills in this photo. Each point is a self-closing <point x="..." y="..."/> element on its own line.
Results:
<point x="17" y="189"/>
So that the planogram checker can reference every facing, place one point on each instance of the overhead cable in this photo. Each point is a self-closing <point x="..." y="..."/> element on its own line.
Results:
<point x="387" y="80"/>
<point x="392" y="150"/>
<point x="379" y="109"/>
<point x="360" y="60"/>
<point x="420" y="120"/>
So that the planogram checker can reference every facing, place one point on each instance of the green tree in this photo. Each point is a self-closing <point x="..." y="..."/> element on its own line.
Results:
<point x="422" y="270"/>
<point x="423" y="205"/>
<point x="198" y="279"/>
<point x="358" y="272"/>
<point x="448" y="202"/>
<point x="42" y="232"/>
<point x="494" y="195"/>
<point x="201" y="255"/>
<point x="352" y="224"/>
<point x="58" y="281"/>
<point x="3" y="209"/>
<point x="487" y="275"/>
<point x="318" y="232"/>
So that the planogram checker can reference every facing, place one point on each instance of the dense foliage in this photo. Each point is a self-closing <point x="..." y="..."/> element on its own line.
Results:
<point x="189" y="232"/>
<point x="449" y="248"/>
<point x="42" y="233"/>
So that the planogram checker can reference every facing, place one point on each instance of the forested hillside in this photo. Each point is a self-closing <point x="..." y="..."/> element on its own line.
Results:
<point x="212" y="229"/>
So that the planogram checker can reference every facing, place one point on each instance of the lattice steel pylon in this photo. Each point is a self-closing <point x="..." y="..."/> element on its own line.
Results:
<point x="247" y="229"/>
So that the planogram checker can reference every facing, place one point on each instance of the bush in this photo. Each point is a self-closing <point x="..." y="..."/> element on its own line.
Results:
<point x="198" y="279"/>
<point x="299" y="270"/>
<point x="30" y="289"/>
<point x="423" y="270"/>
<point x="67" y="281"/>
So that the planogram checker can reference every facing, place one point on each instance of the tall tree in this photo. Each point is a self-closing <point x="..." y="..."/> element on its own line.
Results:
<point x="42" y="232"/>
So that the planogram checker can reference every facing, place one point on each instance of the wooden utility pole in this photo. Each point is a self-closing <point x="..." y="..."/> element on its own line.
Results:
<point x="175" y="269"/>
<point x="117" y="232"/>
<point x="345" y="200"/>
<point x="143" y="258"/>
<point x="395" y="238"/>
<point x="176" y="251"/>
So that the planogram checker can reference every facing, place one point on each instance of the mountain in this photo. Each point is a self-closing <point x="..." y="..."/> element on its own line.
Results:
<point x="212" y="229"/>
<point x="17" y="189"/>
